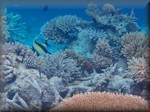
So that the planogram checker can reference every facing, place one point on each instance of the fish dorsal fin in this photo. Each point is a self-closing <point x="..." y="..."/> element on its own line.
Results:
<point x="37" y="36"/>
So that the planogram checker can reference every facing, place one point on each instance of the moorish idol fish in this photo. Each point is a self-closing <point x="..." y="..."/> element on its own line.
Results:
<point x="40" y="48"/>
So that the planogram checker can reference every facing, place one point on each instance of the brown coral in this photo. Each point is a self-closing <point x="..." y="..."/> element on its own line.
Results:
<point x="138" y="69"/>
<point x="82" y="62"/>
<point x="134" y="44"/>
<point x="102" y="55"/>
<point x="102" y="101"/>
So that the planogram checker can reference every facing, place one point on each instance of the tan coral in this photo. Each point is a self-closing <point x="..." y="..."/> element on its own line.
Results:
<point x="138" y="69"/>
<point x="134" y="44"/>
<point x="102" y="101"/>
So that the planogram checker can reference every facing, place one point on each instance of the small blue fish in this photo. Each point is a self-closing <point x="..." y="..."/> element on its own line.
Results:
<point x="40" y="48"/>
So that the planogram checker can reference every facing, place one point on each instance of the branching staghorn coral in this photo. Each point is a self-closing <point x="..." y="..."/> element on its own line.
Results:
<point x="112" y="18"/>
<point x="134" y="44"/>
<point x="68" y="23"/>
<point x="16" y="29"/>
<point x="102" y="101"/>
<point x="138" y="69"/>
<point x="62" y="66"/>
<point x="59" y="28"/>
<point x="93" y="34"/>
<point x="102" y="55"/>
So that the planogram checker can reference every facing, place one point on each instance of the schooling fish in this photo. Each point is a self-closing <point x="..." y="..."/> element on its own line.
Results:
<point x="40" y="48"/>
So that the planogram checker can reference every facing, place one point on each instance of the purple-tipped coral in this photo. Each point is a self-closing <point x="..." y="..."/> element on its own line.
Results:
<point x="59" y="28"/>
<point x="111" y="17"/>
<point x="102" y="55"/>
<point x="134" y="44"/>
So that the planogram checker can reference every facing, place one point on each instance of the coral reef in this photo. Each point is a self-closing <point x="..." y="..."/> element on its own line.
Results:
<point x="93" y="34"/>
<point x="2" y="26"/>
<point x="36" y="91"/>
<point x="111" y="17"/>
<point x="8" y="68"/>
<point x="25" y="89"/>
<point x="88" y="57"/>
<point x="106" y="81"/>
<point x="67" y="23"/>
<point x="79" y="46"/>
<point x="62" y="66"/>
<point x="59" y="28"/>
<point x="120" y="84"/>
<point x="24" y="55"/>
<point x="102" y="55"/>
<point x="13" y="104"/>
<point x="82" y="62"/>
<point x="102" y="101"/>
<point x="138" y="69"/>
<point x="134" y="44"/>
<point x="16" y="29"/>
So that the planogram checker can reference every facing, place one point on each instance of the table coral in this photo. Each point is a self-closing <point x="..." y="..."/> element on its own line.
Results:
<point x="59" y="28"/>
<point x="102" y="101"/>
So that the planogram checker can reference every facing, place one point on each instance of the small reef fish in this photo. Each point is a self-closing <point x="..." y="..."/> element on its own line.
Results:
<point x="45" y="8"/>
<point x="40" y="48"/>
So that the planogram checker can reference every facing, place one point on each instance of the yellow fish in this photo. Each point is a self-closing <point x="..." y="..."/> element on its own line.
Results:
<point x="40" y="48"/>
